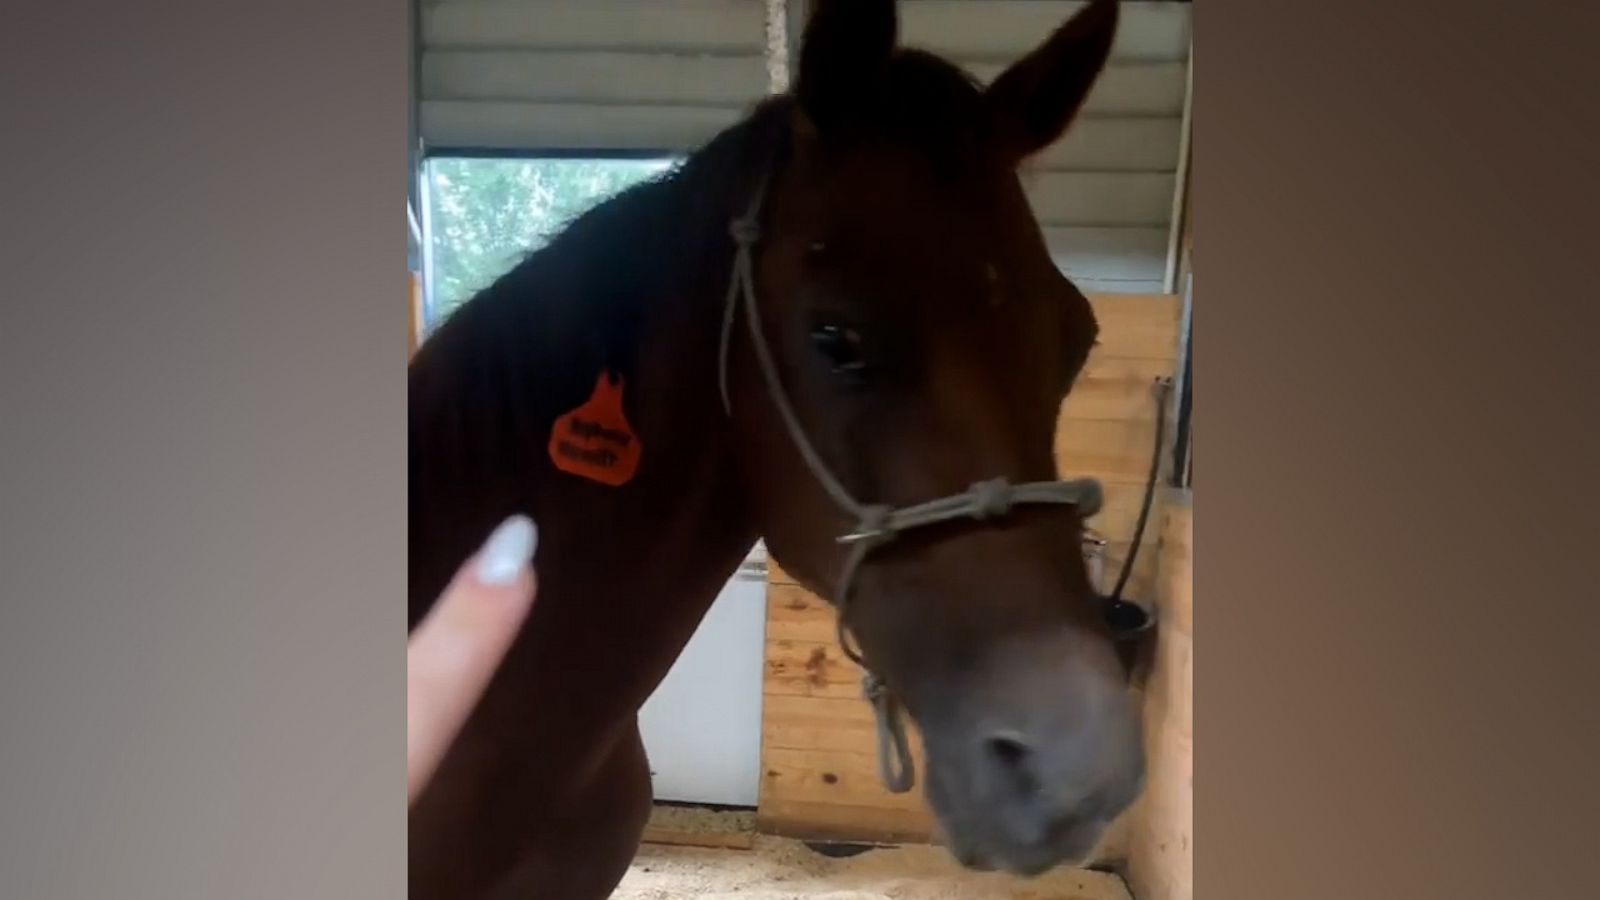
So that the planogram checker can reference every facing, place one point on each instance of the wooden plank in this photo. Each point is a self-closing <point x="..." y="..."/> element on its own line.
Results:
<point x="798" y="628"/>
<point x="726" y="26"/>
<point x="847" y="779"/>
<point x="1161" y="845"/>
<point x="598" y="77"/>
<point x="495" y="125"/>
<point x="795" y="614"/>
<point x="831" y="821"/>
<point x="1123" y="88"/>
<point x="1113" y="387"/>
<point x="1007" y="29"/>
<point x="1114" y="448"/>
<point x="1100" y="198"/>
<point x="1137" y="309"/>
<point x="834" y="735"/>
<point x="822" y="711"/>
<point x="1137" y="326"/>
<point x="811" y="669"/>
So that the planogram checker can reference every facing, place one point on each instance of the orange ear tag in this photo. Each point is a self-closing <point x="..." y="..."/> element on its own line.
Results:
<point x="595" y="440"/>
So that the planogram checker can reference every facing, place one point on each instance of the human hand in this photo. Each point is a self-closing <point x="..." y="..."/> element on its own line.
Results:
<point x="457" y="647"/>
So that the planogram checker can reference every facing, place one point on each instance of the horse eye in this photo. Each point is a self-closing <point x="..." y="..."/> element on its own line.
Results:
<point x="840" y="346"/>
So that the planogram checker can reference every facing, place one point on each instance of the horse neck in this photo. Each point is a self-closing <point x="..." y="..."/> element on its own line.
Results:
<point x="637" y="289"/>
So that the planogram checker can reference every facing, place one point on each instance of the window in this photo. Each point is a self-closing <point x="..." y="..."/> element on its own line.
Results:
<point x="486" y="214"/>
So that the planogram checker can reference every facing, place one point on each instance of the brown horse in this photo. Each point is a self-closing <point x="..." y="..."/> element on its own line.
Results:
<point x="917" y="339"/>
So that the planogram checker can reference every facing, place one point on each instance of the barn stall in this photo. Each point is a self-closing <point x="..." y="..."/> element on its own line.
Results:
<point x="763" y="752"/>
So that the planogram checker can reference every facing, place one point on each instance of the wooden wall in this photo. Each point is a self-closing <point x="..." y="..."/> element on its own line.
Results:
<point x="1161" y="839"/>
<point x="819" y="763"/>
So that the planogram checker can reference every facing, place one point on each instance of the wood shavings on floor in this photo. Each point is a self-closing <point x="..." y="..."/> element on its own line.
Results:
<point x="779" y="869"/>
<point x="700" y="827"/>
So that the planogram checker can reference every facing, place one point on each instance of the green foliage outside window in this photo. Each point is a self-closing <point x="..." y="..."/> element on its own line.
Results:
<point x="487" y="214"/>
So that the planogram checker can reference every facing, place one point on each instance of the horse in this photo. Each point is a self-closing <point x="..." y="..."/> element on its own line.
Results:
<point x="818" y="331"/>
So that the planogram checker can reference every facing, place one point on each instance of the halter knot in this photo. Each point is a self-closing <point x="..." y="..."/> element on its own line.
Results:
<point x="872" y="525"/>
<point x="745" y="231"/>
<point x="991" y="499"/>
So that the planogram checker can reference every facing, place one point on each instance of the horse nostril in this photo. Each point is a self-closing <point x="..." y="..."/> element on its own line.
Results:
<point x="1013" y="758"/>
<point x="1010" y="751"/>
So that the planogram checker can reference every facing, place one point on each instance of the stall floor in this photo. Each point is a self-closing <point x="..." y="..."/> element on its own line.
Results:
<point x="778" y="869"/>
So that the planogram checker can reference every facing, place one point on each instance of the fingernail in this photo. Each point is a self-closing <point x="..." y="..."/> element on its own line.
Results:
<point x="507" y="552"/>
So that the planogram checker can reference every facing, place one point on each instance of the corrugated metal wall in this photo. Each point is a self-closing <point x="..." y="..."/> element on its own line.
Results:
<point x="564" y="75"/>
<point x="666" y="75"/>
<point x="1104" y="193"/>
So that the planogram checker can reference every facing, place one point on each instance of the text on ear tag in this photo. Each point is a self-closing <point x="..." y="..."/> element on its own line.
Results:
<point x="595" y="440"/>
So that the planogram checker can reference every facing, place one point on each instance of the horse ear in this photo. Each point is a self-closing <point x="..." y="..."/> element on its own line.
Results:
<point x="846" y="44"/>
<point x="1032" y="102"/>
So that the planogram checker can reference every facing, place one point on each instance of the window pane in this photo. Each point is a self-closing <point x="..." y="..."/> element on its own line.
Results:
<point x="487" y="214"/>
